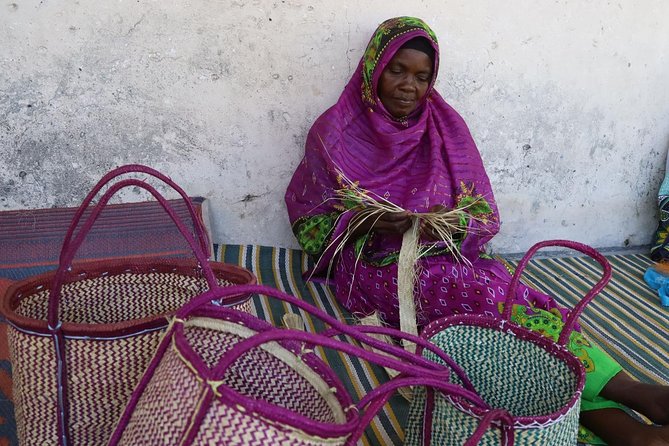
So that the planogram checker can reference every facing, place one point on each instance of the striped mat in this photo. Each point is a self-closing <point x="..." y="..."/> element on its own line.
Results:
<point x="626" y="319"/>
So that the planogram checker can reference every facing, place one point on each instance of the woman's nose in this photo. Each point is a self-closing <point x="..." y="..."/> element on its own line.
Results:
<point x="408" y="83"/>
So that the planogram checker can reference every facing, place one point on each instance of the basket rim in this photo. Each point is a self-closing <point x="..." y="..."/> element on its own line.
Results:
<point x="250" y="322"/>
<point x="512" y="329"/>
<point x="86" y="270"/>
<point x="269" y="412"/>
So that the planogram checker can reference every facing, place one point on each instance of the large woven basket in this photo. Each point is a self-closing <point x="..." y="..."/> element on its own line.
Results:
<point x="224" y="377"/>
<point x="538" y="381"/>
<point x="81" y="337"/>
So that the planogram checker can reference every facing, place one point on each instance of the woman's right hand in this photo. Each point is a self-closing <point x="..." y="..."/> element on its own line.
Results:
<point x="386" y="223"/>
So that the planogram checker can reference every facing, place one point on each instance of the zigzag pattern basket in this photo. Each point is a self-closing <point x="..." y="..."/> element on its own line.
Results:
<point x="81" y="337"/>
<point x="225" y="377"/>
<point x="538" y="381"/>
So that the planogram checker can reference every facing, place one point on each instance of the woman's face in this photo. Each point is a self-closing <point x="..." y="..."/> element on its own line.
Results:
<point x="404" y="81"/>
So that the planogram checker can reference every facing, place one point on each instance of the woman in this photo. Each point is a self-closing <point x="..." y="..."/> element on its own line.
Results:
<point x="391" y="134"/>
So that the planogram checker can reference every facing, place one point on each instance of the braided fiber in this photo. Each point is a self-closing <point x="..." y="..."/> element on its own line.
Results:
<point x="228" y="425"/>
<point x="161" y="415"/>
<point x="101" y="379"/>
<point x="453" y="427"/>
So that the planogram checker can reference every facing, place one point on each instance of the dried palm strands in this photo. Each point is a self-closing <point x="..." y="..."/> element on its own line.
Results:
<point x="407" y="274"/>
<point x="293" y="321"/>
<point x="446" y="225"/>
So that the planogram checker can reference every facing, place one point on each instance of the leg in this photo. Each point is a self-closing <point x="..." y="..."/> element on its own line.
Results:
<point x="618" y="428"/>
<point x="651" y="400"/>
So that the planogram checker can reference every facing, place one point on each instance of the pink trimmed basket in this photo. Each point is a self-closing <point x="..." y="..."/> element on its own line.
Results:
<point x="81" y="337"/>
<point x="224" y="377"/>
<point x="538" y="381"/>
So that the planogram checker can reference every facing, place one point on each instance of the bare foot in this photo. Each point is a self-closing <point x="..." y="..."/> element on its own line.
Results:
<point x="651" y="400"/>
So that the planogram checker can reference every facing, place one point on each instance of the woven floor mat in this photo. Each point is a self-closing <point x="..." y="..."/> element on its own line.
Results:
<point x="626" y="319"/>
<point x="31" y="239"/>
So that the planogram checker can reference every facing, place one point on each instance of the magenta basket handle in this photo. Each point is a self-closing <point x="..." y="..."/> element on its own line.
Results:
<point x="497" y="416"/>
<point x="378" y="397"/>
<point x="69" y="250"/>
<point x="421" y="342"/>
<point x="198" y="225"/>
<point x="353" y="332"/>
<point x="67" y="254"/>
<point x="279" y="334"/>
<point x="578" y="309"/>
<point x="281" y="414"/>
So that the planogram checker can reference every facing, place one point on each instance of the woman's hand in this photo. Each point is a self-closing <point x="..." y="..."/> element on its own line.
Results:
<point x="428" y="232"/>
<point x="386" y="223"/>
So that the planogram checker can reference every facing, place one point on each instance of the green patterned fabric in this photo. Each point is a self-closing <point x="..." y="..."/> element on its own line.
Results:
<point x="313" y="233"/>
<point x="550" y="324"/>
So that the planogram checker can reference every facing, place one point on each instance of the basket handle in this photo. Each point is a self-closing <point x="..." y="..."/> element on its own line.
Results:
<point x="578" y="309"/>
<point x="505" y="422"/>
<point x="378" y="397"/>
<point x="353" y="331"/>
<point x="279" y="414"/>
<point x="198" y="226"/>
<point x="450" y="362"/>
<point x="71" y="248"/>
<point x="438" y="378"/>
<point x="413" y="366"/>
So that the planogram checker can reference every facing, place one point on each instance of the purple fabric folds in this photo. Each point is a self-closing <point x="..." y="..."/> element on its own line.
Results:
<point x="418" y="162"/>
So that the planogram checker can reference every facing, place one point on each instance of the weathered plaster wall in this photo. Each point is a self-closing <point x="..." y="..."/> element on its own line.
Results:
<point x="567" y="100"/>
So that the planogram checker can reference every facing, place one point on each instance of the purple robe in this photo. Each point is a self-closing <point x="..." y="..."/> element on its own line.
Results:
<point x="427" y="158"/>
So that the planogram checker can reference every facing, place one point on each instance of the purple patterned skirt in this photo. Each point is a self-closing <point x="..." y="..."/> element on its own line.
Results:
<point x="444" y="288"/>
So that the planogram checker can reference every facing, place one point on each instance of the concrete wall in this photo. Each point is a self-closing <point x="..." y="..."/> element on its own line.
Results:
<point x="567" y="100"/>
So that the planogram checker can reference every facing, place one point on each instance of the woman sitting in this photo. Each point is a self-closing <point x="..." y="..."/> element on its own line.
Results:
<point x="392" y="136"/>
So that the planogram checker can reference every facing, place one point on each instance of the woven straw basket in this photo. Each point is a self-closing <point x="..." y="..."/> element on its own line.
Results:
<point x="538" y="381"/>
<point x="81" y="337"/>
<point x="221" y="376"/>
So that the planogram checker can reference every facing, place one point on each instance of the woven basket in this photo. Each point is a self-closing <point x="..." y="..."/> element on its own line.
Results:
<point x="81" y="337"/>
<point x="538" y="381"/>
<point x="221" y="376"/>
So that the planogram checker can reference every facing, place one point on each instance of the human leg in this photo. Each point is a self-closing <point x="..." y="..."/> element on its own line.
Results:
<point x="617" y="428"/>
<point x="651" y="400"/>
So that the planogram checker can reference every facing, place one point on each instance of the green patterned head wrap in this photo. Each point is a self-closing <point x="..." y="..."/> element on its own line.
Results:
<point x="387" y="39"/>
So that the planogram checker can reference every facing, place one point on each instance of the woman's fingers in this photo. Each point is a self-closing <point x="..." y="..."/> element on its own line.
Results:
<point x="428" y="232"/>
<point x="395" y="217"/>
<point x="393" y="222"/>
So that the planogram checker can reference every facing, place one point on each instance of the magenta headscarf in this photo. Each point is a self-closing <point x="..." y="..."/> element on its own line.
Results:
<point x="425" y="159"/>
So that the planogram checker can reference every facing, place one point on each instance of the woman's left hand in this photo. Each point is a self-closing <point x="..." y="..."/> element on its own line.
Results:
<point x="428" y="232"/>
